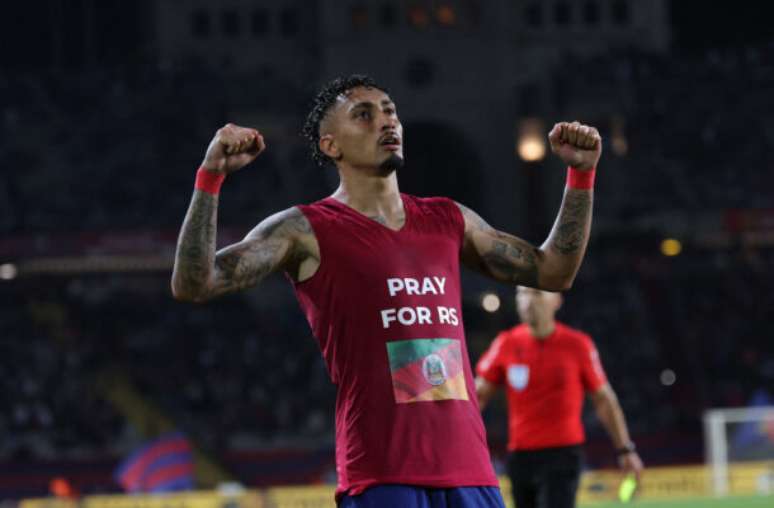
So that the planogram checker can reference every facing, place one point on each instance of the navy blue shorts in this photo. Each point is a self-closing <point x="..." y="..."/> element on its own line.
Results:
<point x="408" y="496"/>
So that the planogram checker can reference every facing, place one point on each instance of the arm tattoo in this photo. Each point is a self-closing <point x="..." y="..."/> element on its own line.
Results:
<point x="196" y="244"/>
<point x="200" y="273"/>
<point x="571" y="230"/>
<point x="244" y="265"/>
<point x="497" y="254"/>
<point x="300" y="224"/>
<point x="512" y="260"/>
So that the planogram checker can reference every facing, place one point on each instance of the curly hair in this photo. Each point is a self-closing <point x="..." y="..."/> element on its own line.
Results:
<point x="326" y="98"/>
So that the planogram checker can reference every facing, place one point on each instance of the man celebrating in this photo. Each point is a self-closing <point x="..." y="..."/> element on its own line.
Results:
<point x="546" y="368"/>
<point x="377" y="274"/>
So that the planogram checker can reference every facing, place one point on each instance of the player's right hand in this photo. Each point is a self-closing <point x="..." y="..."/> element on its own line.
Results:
<point x="232" y="148"/>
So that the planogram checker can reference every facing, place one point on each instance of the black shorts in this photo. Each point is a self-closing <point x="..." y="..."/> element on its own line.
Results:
<point x="546" y="478"/>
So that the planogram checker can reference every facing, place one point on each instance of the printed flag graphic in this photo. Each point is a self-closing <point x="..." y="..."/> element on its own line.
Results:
<point x="427" y="370"/>
<point x="163" y="465"/>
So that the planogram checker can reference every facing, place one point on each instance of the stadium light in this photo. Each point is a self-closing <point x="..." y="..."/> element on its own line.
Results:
<point x="8" y="271"/>
<point x="668" y="377"/>
<point x="671" y="247"/>
<point x="532" y="148"/>
<point x="490" y="302"/>
<point x="530" y="140"/>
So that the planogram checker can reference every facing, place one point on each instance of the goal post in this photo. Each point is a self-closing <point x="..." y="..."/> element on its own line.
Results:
<point x="734" y="436"/>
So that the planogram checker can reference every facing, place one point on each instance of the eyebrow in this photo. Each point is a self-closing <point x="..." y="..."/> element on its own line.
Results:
<point x="366" y="104"/>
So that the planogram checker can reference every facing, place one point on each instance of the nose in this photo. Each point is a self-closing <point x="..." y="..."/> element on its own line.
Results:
<point x="389" y="122"/>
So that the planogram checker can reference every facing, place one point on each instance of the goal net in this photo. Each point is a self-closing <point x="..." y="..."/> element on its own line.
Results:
<point x="739" y="449"/>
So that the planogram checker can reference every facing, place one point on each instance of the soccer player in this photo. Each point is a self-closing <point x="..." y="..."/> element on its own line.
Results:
<point x="546" y="368"/>
<point x="376" y="273"/>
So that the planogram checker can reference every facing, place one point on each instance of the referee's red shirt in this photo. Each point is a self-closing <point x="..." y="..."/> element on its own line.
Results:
<point x="545" y="380"/>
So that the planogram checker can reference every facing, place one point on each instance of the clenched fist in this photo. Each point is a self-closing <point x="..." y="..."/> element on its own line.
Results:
<point x="576" y="144"/>
<point x="232" y="148"/>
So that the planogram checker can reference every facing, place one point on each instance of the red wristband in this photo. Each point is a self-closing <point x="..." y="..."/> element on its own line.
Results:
<point x="580" y="179"/>
<point x="209" y="181"/>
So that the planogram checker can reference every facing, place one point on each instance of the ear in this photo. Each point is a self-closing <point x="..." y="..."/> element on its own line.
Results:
<point x="329" y="147"/>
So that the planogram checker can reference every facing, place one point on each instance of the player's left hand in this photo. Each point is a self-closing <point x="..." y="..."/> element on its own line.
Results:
<point x="578" y="145"/>
<point x="631" y="463"/>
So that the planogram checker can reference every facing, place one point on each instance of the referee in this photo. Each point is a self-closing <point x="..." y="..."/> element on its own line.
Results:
<point x="547" y="367"/>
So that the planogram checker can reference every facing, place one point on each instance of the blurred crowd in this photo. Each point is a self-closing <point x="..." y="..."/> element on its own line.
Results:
<point x="102" y="152"/>
<point x="692" y="133"/>
<point x="234" y="375"/>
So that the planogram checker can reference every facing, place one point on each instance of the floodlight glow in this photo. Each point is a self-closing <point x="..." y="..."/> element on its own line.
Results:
<point x="532" y="148"/>
<point x="8" y="271"/>
<point x="490" y="302"/>
<point x="671" y="247"/>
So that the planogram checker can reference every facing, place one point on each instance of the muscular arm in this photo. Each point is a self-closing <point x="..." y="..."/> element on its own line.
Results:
<point x="283" y="241"/>
<point x="280" y="242"/>
<point x="552" y="266"/>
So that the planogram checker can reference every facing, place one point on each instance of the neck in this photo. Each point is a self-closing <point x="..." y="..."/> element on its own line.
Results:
<point x="542" y="329"/>
<point x="368" y="191"/>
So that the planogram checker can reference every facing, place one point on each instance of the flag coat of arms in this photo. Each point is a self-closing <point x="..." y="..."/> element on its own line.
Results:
<point x="427" y="370"/>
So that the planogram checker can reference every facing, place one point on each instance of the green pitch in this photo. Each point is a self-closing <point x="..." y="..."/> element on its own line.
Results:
<point x="727" y="502"/>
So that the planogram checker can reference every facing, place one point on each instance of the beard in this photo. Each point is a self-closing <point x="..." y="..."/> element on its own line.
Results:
<point x="392" y="163"/>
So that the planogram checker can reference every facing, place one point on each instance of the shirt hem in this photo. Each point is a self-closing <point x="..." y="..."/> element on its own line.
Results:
<point x="355" y="488"/>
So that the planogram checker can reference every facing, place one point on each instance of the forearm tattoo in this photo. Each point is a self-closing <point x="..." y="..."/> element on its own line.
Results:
<point x="571" y="230"/>
<point x="196" y="244"/>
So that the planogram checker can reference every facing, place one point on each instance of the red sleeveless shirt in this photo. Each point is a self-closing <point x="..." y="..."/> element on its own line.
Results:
<point x="385" y="308"/>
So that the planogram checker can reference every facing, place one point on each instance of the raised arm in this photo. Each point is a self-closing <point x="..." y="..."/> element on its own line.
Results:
<point x="283" y="241"/>
<point x="553" y="265"/>
<point x="276" y="244"/>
